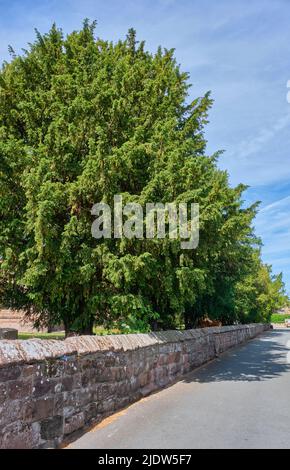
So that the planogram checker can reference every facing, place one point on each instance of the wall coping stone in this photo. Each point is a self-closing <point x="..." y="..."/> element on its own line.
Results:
<point x="36" y="350"/>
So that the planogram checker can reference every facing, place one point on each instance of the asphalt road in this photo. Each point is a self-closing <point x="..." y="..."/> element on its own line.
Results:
<point x="241" y="400"/>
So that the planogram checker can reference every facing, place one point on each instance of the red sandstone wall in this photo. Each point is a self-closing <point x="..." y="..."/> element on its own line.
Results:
<point x="50" y="389"/>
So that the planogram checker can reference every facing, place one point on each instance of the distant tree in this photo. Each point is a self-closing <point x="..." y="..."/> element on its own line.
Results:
<point x="260" y="293"/>
<point x="81" y="120"/>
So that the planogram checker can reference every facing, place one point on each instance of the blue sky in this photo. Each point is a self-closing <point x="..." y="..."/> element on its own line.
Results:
<point x="239" y="50"/>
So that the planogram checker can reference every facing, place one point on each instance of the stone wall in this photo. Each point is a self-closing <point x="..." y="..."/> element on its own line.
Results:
<point x="52" y="389"/>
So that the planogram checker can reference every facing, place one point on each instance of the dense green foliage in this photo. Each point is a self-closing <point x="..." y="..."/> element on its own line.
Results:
<point x="259" y="294"/>
<point x="81" y="120"/>
<point x="279" y="318"/>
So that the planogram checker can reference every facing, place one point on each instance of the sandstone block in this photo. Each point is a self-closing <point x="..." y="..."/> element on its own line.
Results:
<point x="51" y="428"/>
<point x="73" y="423"/>
<point x="10" y="373"/>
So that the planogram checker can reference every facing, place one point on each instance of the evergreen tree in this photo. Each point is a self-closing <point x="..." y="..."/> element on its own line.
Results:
<point x="81" y="120"/>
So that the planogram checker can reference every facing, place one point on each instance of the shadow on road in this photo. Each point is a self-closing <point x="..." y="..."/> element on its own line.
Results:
<point x="262" y="359"/>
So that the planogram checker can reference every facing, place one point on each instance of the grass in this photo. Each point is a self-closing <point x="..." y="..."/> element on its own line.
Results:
<point x="98" y="330"/>
<point x="55" y="335"/>
<point x="278" y="318"/>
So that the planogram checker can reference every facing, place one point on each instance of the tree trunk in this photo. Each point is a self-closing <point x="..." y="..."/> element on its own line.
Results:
<point x="189" y="321"/>
<point x="154" y="325"/>
<point x="86" y="331"/>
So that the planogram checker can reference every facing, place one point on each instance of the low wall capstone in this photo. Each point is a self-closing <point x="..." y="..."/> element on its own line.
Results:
<point x="49" y="390"/>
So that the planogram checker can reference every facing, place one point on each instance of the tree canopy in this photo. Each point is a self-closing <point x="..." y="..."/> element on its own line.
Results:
<point x="81" y="120"/>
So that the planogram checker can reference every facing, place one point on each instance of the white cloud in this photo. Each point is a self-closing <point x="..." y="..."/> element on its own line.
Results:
<point x="276" y="205"/>
<point x="256" y="144"/>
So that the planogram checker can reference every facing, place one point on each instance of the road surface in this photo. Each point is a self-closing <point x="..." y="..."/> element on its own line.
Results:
<point x="241" y="400"/>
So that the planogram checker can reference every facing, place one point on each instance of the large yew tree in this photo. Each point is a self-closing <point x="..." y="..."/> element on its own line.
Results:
<point x="83" y="119"/>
